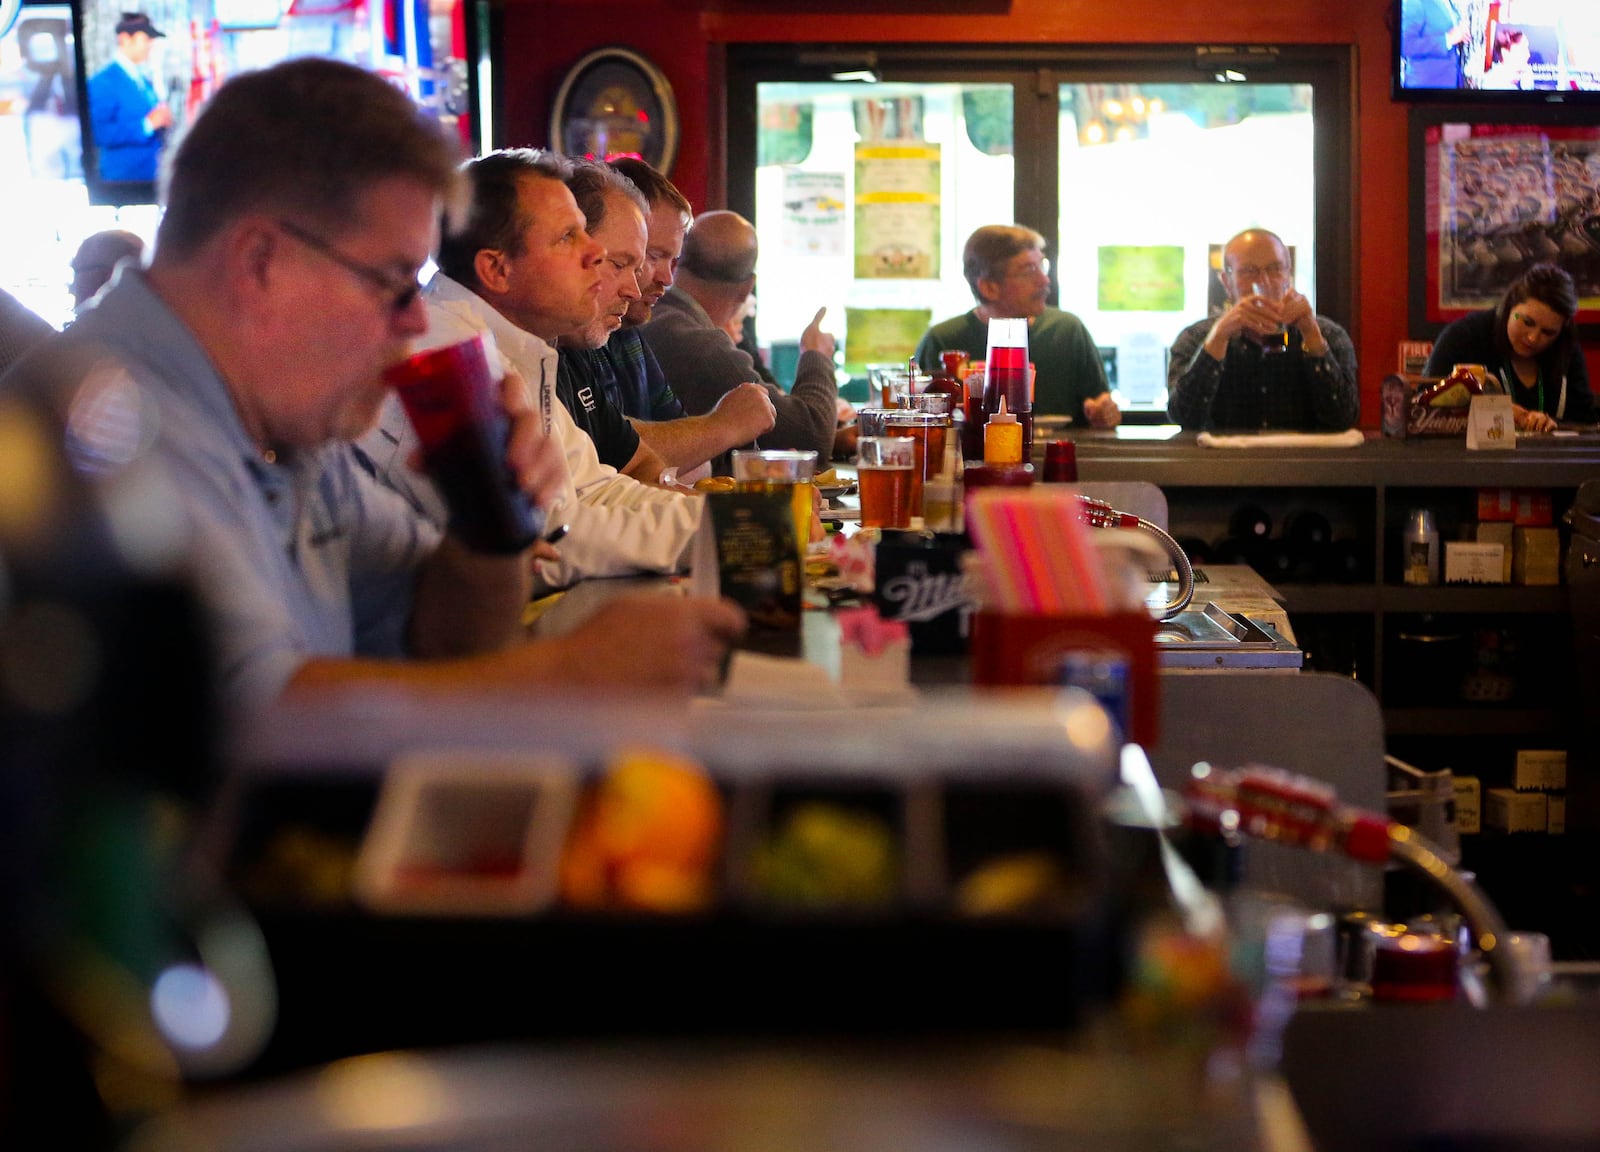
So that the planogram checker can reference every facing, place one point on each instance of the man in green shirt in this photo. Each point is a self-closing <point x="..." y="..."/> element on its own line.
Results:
<point x="1010" y="279"/>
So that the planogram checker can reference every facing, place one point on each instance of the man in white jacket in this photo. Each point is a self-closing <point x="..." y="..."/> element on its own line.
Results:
<point x="525" y="270"/>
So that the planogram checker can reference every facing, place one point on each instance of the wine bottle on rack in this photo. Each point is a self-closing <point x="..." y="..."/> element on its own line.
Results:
<point x="1347" y="562"/>
<point x="1307" y="536"/>
<point x="1196" y="549"/>
<point x="1228" y="550"/>
<point x="1273" y="562"/>
<point x="1250" y="524"/>
<point x="1307" y="529"/>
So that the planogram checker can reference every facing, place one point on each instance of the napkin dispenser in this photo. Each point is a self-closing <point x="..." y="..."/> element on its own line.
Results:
<point x="1019" y="650"/>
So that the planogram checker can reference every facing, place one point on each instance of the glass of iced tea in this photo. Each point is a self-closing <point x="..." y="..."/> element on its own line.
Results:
<point x="927" y="429"/>
<point x="869" y="421"/>
<point x="884" y="467"/>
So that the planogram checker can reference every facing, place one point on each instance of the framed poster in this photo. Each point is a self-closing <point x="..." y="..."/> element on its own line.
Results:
<point x="614" y="102"/>
<point x="1498" y="192"/>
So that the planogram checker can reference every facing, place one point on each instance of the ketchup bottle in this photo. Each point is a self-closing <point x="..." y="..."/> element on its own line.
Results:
<point x="948" y="378"/>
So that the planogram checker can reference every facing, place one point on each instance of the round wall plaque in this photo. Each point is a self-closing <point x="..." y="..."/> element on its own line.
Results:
<point x="614" y="102"/>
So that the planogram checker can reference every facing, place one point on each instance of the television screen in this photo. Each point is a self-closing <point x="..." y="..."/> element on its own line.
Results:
<point x="42" y="196"/>
<point x="1488" y="51"/>
<point x="38" y="95"/>
<point x="145" y="71"/>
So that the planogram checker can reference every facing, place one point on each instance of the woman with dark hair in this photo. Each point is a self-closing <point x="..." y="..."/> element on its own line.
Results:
<point x="1530" y="343"/>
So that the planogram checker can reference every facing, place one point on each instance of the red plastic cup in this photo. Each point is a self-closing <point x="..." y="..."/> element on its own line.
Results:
<point x="449" y="395"/>
<point x="1414" y="967"/>
<point x="1061" y="462"/>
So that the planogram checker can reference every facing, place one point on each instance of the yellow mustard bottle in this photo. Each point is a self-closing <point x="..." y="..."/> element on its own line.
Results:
<point x="1002" y="437"/>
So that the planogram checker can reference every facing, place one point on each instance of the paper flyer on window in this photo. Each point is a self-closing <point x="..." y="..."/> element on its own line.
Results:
<point x="814" y="222"/>
<point x="897" y="211"/>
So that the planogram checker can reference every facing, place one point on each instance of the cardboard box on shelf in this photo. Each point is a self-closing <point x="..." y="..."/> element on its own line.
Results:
<point x="1507" y="810"/>
<point x="1527" y="506"/>
<point x="1472" y="563"/>
<point x="1499" y="532"/>
<point x="1540" y="770"/>
<point x="1555" y="807"/>
<point x="1495" y="504"/>
<point x="1469" y="808"/>
<point x="1536" y="556"/>
<point x="1533" y="508"/>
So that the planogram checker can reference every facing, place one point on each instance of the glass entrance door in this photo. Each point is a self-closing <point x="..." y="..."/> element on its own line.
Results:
<point x="1136" y="164"/>
<point x="864" y="195"/>
<point x="1154" y="179"/>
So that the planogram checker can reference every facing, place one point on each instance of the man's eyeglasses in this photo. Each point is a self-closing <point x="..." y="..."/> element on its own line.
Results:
<point x="1028" y="271"/>
<point x="1259" y="271"/>
<point x="401" y="293"/>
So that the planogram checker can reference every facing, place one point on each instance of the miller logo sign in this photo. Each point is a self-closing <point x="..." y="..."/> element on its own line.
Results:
<point x="918" y="594"/>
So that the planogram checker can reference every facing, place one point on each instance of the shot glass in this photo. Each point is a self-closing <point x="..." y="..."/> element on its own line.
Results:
<point x="449" y="394"/>
<point x="786" y="471"/>
<point x="884" y="468"/>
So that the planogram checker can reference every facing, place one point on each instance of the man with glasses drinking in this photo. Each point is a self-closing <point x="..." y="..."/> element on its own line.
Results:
<point x="1006" y="269"/>
<point x="1267" y="361"/>
<point x="300" y="206"/>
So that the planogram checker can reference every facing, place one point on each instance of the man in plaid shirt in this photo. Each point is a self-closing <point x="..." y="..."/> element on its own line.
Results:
<point x="1268" y="361"/>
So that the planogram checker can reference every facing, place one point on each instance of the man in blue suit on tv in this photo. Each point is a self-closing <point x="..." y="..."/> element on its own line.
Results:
<point x="1431" y="35"/>
<point x="128" y="116"/>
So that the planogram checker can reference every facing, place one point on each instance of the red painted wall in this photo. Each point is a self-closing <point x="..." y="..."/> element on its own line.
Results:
<point x="544" y="37"/>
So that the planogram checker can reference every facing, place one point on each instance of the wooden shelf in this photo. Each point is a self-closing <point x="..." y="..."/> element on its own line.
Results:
<point x="1364" y="491"/>
<point x="1471" y="720"/>
<point x="1496" y="599"/>
<point x="1485" y="598"/>
<point x="1328" y="599"/>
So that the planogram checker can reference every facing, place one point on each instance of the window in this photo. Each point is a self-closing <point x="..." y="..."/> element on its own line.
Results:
<point x="1135" y="164"/>
<point x="1154" y="179"/>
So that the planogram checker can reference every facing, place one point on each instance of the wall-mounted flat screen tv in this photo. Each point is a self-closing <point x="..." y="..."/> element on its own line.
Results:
<point x="146" y="67"/>
<point x="38" y="99"/>
<point x="1497" y="51"/>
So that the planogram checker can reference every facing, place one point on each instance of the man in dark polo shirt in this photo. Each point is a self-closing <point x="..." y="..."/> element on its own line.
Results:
<point x="615" y="220"/>
<point x="587" y="379"/>
<point x="634" y="378"/>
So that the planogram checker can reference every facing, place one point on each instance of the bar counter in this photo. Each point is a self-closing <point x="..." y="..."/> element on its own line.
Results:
<point x="1367" y="492"/>
<point x="1169" y="457"/>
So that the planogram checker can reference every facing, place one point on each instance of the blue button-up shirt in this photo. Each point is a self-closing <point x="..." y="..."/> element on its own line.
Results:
<point x="301" y="557"/>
